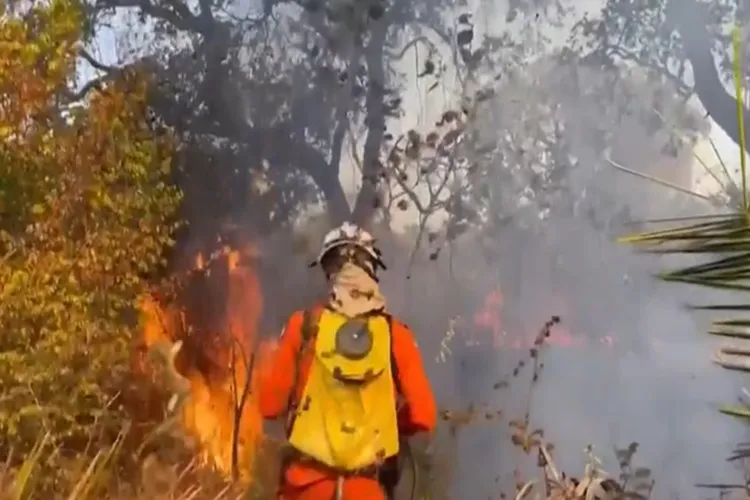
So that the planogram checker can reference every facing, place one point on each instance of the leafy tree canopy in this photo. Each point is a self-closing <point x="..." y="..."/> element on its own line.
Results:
<point x="684" y="41"/>
<point x="86" y="213"/>
<point x="271" y="99"/>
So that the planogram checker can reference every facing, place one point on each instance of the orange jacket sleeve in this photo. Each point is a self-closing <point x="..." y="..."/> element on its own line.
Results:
<point x="278" y="379"/>
<point x="420" y="407"/>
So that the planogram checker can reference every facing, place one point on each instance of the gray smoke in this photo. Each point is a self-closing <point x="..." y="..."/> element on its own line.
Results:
<point x="656" y="386"/>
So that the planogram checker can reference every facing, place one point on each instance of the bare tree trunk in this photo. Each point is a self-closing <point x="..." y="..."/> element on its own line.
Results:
<point x="365" y="206"/>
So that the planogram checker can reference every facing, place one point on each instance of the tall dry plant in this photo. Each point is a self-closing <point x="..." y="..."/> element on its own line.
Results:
<point x="551" y="483"/>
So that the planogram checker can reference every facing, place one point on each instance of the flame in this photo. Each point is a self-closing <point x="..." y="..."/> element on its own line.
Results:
<point x="217" y="357"/>
<point x="489" y="318"/>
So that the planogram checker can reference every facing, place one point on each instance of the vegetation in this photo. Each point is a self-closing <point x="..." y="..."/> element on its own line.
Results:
<point x="226" y="119"/>
<point x="722" y="239"/>
<point x="86" y="214"/>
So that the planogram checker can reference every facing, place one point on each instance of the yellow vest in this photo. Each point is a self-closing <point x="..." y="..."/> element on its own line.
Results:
<point x="346" y="417"/>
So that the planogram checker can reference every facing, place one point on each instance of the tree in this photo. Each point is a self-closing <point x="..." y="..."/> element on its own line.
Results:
<point x="538" y="129"/>
<point x="540" y="136"/>
<point x="86" y="214"/>
<point x="535" y="165"/>
<point x="268" y="103"/>
<point x="268" y="106"/>
<point x="673" y="38"/>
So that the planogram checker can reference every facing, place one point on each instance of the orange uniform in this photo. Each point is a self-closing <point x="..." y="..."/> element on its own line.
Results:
<point x="417" y="414"/>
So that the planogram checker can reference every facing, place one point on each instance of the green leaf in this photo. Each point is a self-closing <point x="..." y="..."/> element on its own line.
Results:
<point x="736" y="411"/>
<point x="725" y="241"/>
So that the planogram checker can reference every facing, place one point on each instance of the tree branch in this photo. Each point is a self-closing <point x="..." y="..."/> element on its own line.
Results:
<point x="337" y="144"/>
<point x="94" y="63"/>
<point x="284" y="150"/>
<point x="280" y="148"/>
<point x="111" y="73"/>
<point x="625" y="55"/>
<point x="343" y="126"/>
<point x="178" y="15"/>
<point x="690" y="21"/>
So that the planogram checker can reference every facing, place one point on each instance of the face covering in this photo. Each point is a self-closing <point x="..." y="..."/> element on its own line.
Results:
<point x="354" y="292"/>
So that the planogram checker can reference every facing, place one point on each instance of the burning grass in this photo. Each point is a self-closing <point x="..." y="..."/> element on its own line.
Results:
<point x="205" y="357"/>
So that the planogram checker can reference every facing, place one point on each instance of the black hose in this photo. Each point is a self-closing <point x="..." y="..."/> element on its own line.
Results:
<point x="408" y="456"/>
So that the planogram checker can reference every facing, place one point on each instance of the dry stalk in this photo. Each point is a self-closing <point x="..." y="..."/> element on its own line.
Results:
<point x="595" y="483"/>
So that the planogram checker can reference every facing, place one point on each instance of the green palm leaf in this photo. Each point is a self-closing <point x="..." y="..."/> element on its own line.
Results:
<point x="725" y="242"/>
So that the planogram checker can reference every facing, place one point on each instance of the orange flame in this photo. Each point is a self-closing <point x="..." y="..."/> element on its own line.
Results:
<point x="217" y="356"/>
<point x="489" y="319"/>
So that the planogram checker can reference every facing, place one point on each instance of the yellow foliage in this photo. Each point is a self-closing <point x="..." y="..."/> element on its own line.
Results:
<point x="37" y="57"/>
<point x="86" y="213"/>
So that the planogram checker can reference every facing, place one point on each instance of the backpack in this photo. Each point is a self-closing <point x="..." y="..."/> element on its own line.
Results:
<point x="343" y="418"/>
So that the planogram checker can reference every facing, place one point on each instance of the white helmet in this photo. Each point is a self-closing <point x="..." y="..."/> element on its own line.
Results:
<point x="350" y="234"/>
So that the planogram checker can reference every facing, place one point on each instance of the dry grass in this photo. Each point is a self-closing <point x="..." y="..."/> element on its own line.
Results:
<point x="545" y="481"/>
<point x="159" y="479"/>
<point x="115" y="473"/>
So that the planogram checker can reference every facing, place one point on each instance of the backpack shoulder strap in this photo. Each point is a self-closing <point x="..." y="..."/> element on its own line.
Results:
<point x="308" y="330"/>
<point x="306" y="326"/>
<point x="394" y="365"/>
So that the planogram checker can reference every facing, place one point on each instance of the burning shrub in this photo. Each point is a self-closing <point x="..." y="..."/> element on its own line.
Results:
<point x="208" y="353"/>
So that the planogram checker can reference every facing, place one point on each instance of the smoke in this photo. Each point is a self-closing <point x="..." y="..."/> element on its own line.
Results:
<point x="656" y="386"/>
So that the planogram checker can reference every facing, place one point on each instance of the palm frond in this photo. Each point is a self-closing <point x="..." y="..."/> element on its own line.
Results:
<point x="724" y="241"/>
<point x="736" y="411"/>
<point x="720" y="307"/>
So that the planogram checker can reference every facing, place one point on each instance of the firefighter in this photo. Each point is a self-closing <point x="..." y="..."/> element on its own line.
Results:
<point x="350" y="381"/>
